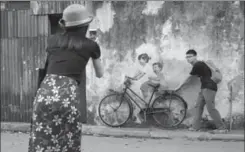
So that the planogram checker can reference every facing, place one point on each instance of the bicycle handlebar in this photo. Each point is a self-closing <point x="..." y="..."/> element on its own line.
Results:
<point x="127" y="77"/>
<point x="127" y="81"/>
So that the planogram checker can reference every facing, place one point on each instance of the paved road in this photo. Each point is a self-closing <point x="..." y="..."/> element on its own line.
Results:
<point x="17" y="142"/>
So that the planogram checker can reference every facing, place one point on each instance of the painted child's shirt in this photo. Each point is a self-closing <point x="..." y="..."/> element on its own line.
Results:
<point x="146" y="70"/>
<point x="159" y="76"/>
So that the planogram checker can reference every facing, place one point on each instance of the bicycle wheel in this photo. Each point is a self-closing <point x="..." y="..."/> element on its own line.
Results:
<point x="169" y="110"/>
<point x="115" y="110"/>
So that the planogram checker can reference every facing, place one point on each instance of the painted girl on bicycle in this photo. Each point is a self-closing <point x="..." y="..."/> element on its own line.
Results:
<point x="142" y="72"/>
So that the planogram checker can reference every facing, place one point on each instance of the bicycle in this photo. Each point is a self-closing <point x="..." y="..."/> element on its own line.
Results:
<point x="123" y="100"/>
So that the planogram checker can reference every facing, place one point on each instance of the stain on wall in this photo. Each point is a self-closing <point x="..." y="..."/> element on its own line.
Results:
<point x="166" y="30"/>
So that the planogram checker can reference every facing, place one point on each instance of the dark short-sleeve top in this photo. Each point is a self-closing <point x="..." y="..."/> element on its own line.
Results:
<point x="201" y="70"/>
<point x="72" y="62"/>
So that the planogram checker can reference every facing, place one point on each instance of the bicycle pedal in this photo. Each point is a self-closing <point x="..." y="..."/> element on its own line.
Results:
<point x="145" y="116"/>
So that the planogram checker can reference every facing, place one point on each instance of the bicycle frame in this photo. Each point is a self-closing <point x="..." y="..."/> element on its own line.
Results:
<point x="142" y="100"/>
<point x="126" y="96"/>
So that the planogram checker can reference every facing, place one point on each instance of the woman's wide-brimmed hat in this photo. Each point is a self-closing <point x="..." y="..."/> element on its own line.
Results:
<point x="75" y="15"/>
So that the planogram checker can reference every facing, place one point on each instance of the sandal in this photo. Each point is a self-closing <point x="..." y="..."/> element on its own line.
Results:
<point x="193" y="129"/>
<point x="219" y="131"/>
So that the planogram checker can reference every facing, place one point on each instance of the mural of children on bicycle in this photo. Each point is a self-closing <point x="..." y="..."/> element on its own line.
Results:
<point x="150" y="75"/>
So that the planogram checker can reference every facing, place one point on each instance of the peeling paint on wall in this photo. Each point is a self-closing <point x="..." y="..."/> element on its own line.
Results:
<point x="166" y="30"/>
<point x="152" y="7"/>
<point x="106" y="15"/>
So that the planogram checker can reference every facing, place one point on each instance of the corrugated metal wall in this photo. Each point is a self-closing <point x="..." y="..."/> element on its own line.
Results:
<point x="23" y="41"/>
<point x="23" y="38"/>
<point x="51" y="7"/>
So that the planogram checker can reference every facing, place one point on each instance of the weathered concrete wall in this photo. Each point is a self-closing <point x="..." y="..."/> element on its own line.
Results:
<point x="166" y="30"/>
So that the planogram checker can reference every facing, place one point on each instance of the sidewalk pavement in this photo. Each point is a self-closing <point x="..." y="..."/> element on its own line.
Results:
<point x="236" y="135"/>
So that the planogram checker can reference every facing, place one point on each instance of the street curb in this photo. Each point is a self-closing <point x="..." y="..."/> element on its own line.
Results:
<point x="136" y="133"/>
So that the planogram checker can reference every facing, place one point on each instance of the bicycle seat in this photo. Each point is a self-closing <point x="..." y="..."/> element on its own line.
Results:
<point x="154" y="85"/>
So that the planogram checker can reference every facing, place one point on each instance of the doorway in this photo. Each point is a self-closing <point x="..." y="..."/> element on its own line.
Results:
<point x="54" y="23"/>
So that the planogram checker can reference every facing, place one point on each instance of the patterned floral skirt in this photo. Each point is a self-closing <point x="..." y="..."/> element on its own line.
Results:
<point x="56" y="125"/>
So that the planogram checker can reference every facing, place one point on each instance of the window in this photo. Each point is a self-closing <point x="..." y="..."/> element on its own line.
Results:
<point x="17" y="5"/>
